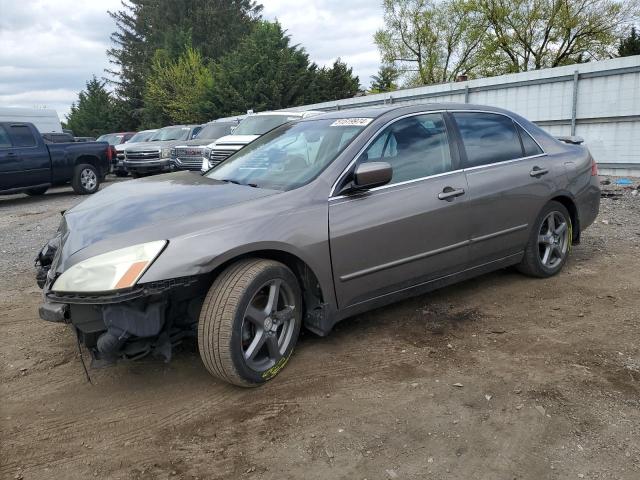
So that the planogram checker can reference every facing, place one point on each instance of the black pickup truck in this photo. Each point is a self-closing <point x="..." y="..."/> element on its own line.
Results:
<point x="29" y="165"/>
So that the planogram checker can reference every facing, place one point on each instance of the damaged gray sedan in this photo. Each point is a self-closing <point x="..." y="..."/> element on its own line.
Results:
<point x="316" y="221"/>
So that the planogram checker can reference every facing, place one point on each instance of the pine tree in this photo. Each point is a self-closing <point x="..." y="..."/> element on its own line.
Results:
<point x="93" y="114"/>
<point x="630" y="45"/>
<point x="385" y="80"/>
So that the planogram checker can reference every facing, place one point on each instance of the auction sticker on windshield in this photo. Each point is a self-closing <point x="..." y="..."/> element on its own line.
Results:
<point x="352" y="122"/>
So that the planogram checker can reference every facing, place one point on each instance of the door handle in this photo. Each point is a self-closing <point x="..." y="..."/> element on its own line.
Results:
<point x="538" y="172"/>
<point x="11" y="154"/>
<point x="450" y="193"/>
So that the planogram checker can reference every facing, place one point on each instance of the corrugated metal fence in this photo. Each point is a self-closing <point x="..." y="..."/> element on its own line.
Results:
<point x="599" y="101"/>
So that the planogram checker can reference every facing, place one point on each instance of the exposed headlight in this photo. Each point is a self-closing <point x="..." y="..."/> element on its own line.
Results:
<point x="173" y="153"/>
<point x="165" y="152"/>
<point x="109" y="271"/>
<point x="206" y="152"/>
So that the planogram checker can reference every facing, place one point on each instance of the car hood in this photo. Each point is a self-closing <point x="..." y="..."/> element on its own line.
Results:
<point x="235" y="140"/>
<point x="151" y="208"/>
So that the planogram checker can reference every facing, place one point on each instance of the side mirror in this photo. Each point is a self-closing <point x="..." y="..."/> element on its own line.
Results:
<point x="372" y="174"/>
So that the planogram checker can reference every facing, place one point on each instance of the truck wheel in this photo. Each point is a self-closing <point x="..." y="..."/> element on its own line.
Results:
<point x="85" y="179"/>
<point x="250" y="321"/>
<point x="550" y="242"/>
<point x="37" y="191"/>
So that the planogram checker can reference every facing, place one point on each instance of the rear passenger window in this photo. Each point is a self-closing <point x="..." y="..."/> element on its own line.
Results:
<point x="5" y="141"/>
<point x="528" y="143"/>
<point x="415" y="147"/>
<point x="488" y="138"/>
<point x="22" y="136"/>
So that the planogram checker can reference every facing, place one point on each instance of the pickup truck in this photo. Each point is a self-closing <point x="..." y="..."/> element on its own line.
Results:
<point x="29" y="165"/>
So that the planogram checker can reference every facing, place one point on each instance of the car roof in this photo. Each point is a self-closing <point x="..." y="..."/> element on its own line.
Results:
<point x="378" y="111"/>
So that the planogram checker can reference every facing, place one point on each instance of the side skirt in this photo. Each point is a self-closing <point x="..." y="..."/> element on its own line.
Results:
<point x="423" y="288"/>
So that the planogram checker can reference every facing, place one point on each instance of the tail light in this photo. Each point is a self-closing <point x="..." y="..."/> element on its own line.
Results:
<point x="111" y="153"/>
<point x="594" y="168"/>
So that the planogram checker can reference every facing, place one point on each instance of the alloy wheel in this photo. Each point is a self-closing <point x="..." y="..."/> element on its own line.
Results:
<point x="268" y="325"/>
<point x="88" y="179"/>
<point x="553" y="240"/>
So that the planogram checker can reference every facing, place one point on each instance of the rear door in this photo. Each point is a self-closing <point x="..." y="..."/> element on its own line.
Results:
<point x="408" y="232"/>
<point x="509" y="178"/>
<point x="9" y="160"/>
<point x="30" y="164"/>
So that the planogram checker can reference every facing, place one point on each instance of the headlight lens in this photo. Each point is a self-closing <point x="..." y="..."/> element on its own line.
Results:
<point x="206" y="152"/>
<point x="110" y="271"/>
<point x="165" y="152"/>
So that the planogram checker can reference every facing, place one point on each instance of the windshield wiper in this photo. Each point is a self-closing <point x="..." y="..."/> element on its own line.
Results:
<point x="235" y="182"/>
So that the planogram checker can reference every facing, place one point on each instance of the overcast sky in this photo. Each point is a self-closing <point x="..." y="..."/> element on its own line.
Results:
<point x="51" y="47"/>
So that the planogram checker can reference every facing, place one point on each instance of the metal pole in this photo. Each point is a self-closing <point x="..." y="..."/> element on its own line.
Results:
<point x="574" y="105"/>
<point x="466" y="94"/>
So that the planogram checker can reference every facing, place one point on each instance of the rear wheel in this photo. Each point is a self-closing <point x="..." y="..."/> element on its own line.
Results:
<point x="85" y="179"/>
<point x="550" y="242"/>
<point x="250" y="321"/>
<point x="37" y="191"/>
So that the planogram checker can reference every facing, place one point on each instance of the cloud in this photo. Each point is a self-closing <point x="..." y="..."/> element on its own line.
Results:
<point x="50" y="48"/>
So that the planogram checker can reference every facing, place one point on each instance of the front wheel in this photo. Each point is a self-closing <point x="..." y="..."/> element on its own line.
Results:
<point x="85" y="179"/>
<point x="550" y="242"/>
<point x="250" y="321"/>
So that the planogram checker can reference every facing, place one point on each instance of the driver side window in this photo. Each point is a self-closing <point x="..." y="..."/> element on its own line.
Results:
<point x="415" y="147"/>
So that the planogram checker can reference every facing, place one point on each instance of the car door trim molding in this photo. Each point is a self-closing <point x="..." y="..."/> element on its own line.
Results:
<point x="390" y="122"/>
<point x="506" y="231"/>
<point x="402" y="261"/>
<point x="386" y="187"/>
<point x="505" y="162"/>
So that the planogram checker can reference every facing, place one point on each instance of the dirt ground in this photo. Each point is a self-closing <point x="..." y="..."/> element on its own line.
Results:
<point x="500" y="377"/>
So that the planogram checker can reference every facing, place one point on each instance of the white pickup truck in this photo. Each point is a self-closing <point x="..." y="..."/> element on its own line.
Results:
<point x="252" y="127"/>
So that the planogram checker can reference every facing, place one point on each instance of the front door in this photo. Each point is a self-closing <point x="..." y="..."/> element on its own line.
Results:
<point x="408" y="232"/>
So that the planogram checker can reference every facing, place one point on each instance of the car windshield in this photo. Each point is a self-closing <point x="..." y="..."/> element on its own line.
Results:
<point x="261" y="124"/>
<point x="171" y="133"/>
<point x="111" y="138"/>
<point x="141" y="137"/>
<point x="289" y="156"/>
<point x="213" y="131"/>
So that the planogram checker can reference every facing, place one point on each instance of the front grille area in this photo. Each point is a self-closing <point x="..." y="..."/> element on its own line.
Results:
<point x="191" y="163"/>
<point x="188" y="157"/>
<point x="218" y="156"/>
<point x="143" y="155"/>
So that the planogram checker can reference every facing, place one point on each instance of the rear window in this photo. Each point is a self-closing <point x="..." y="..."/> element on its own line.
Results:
<point x="5" y="141"/>
<point x="488" y="138"/>
<point x="528" y="143"/>
<point x="22" y="136"/>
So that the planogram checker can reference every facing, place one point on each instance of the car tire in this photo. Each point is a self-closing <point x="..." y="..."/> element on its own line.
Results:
<point x="548" y="248"/>
<point x="135" y="175"/>
<point x="120" y="173"/>
<point x="86" y="179"/>
<point x="244" y="336"/>
<point x="34" y="192"/>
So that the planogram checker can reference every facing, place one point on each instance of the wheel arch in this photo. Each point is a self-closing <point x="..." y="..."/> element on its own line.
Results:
<point x="566" y="199"/>
<point x="315" y="295"/>
<point x="88" y="159"/>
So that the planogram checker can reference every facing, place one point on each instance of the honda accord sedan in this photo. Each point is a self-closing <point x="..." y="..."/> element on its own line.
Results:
<point x="315" y="222"/>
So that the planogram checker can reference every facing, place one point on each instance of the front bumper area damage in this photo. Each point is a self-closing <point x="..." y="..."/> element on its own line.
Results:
<point x="148" y="319"/>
